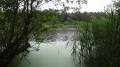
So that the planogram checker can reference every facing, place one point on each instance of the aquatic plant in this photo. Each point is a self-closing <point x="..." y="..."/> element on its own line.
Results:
<point x="99" y="42"/>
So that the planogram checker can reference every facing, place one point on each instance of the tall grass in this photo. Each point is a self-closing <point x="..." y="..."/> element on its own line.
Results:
<point x="99" y="42"/>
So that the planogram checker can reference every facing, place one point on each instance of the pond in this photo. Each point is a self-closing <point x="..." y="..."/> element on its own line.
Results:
<point x="54" y="51"/>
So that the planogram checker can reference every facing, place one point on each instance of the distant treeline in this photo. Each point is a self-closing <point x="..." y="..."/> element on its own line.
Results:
<point x="56" y="15"/>
<point x="86" y="16"/>
<point x="56" y="18"/>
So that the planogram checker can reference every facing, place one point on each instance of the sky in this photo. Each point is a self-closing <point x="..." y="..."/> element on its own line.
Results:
<point x="95" y="5"/>
<point x="91" y="6"/>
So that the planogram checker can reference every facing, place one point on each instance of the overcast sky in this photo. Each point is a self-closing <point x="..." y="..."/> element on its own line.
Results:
<point x="95" y="5"/>
<point x="91" y="6"/>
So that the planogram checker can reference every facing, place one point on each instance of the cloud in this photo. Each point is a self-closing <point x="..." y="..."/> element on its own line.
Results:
<point x="92" y="5"/>
<point x="95" y="5"/>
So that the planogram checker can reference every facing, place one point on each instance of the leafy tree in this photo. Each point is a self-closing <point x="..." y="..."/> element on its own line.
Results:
<point x="18" y="21"/>
<point x="15" y="29"/>
<point x="116" y="3"/>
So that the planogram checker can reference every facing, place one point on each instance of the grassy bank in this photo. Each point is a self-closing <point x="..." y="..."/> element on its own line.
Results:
<point x="66" y="24"/>
<point x="61" y="26"/>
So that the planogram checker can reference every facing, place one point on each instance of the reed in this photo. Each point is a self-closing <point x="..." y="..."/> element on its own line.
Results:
<point x="99" y="42"/>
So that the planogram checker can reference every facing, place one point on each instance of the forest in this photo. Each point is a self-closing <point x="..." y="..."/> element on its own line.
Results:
<point x="57" y="18"/>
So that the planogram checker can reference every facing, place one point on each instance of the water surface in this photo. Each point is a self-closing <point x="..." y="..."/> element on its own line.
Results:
<point x="53" y="51"/>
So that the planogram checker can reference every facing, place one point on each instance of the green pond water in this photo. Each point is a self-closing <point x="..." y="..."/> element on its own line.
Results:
<point x="53" y="52"/>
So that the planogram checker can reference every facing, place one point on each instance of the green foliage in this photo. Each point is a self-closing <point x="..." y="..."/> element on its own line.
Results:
<point x="99" y="42"/>
<point x="117" y="4"/>
<point x="56" y="18"/>
<point x="49" y="15"/>
<point x="59" y="24"/>
<point x="20" y="22"/>
<point x="86" y="17"/>
<point x="16" y="28"/>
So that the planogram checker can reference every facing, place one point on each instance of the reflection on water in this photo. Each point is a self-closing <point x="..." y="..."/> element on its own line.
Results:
<point x="60" y="34"/>
<point x="53" y="53"/>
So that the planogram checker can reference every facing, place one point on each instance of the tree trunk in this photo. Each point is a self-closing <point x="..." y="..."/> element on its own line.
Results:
<point x="9" y="54"/>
